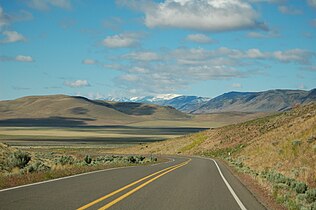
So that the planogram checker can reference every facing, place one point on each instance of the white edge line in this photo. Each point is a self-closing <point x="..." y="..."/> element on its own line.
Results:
<point x="61" y="178"/>
<point x="72" y="176"/>
<point x="241" y="205"/>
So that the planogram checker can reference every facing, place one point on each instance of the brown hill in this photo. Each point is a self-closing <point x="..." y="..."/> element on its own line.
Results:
<point x="64" y="110"/>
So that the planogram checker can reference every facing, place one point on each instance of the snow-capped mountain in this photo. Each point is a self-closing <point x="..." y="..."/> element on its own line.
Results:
<point x="180" y="102"/>
<point x="144" y="99"/>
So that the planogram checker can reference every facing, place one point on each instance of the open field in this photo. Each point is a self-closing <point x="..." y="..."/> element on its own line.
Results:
<point x="58" y="131"/>
<point x="107" y="135"/>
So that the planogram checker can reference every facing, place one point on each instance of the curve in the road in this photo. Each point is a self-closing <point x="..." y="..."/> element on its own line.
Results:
<point x="158" y="173"/>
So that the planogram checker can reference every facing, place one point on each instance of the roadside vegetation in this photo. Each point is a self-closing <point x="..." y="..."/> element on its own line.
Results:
<point x="278" y="152"/>
<point x="19" y="167"/>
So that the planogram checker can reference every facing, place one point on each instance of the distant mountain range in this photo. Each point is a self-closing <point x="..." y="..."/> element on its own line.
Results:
<point x="180" y="102"/>
<point x="265" y="101"/>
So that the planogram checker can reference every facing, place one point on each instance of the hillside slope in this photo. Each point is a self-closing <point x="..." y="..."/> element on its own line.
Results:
<point x="64" y="110"/>
<point x="278" y="151"/>
<point x="266" y="101"/>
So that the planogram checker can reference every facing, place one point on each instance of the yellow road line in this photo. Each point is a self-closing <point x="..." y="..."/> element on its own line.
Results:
<point x="141" y="186"/>
<point x="124" y="188"/>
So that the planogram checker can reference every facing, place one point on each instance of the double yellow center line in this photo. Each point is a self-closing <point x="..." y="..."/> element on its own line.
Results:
<point x="158" y="173"/>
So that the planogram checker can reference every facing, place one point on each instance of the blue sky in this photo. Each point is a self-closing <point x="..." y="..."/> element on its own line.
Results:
<point x="136" y="48"/>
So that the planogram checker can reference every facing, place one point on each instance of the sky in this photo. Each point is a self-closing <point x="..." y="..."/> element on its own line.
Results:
<point x="131" y="48"/>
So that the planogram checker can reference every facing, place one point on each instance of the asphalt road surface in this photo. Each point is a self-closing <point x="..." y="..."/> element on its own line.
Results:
<point x="184" y="183"/>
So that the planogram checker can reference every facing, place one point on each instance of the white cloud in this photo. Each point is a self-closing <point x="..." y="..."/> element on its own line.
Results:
<point x="121" y="40"/>
<point x="255" y="53"/>
<point x="12" y="36"/>
<point x="202" y="15"/>
<point x="77" y="83"/>
<point x="143" y="56"/>
<point x="199" y="38"/>
<point x="289" y="10"/>
<point x="18" y="58"/>
<point x="46" y="4"/>
<point x="236" y="85"/>
<point x="3" y="18"/>
<point x="293" y="55"/>
<point x="264" y="35"/>
<point x="312" y="3"/>
<point x="24" y="58"/>
<point x="178" y="68"/>
<point x="89" y="61"/>
<point x="95" y="96"/>
<point x="129" y="77"/>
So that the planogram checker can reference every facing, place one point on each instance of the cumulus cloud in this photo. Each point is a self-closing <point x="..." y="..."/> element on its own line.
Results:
<point x="18" y="58"/>
<point x="263" y="35"/>
<point x="143" y="56"/>
<point x="89" y="61"/>
<point x="46" y="4"/>
<point x="312" y="3"/>
<point x="294" y="55"/>
<point x="202" y="15"/>
<point x="4" y="20"/>
<point x="289" y="10"/>
<point x="199" y="38"/>
<point x="121" y="40"/>
<point x="77" y="83"/>
<point x="178" y="68"/>
<point x="24" y="58"/>
<point x="12" y="36"/>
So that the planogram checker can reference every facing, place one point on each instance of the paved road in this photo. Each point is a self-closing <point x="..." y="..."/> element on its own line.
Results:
<point x="185" y="183"/>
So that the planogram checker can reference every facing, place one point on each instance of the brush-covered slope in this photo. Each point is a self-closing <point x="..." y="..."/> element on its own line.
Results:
<point x="68" y="110"/>
<point x="285" y="142"/>
<point x="266" y="101"/>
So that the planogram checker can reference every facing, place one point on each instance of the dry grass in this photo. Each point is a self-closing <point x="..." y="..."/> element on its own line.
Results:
<point x="283" y="143"/>
<point x="52" y="166"/>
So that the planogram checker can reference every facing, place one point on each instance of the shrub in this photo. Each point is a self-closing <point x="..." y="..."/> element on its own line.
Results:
<point x="131" y="159"/>
<point x="88" y="159"/>
<point x="153" y="159"/>
<point x="311" y="139"/>
<point x="311" y="195"/>
<point x="19" y="159"/>
<point x="63" y="160"/>
<point x="38" y="166"/>
<point x="296" y="143"/>
<point x="313" y="206"/>
<point x="300" y="197"/>
<point x="300" y="187"/>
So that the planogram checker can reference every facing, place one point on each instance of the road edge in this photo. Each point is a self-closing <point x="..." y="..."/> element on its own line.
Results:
<point x="75" y="175"/>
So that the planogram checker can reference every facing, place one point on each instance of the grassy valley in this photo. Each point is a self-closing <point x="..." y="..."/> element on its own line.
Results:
<point x="66" y="120"/>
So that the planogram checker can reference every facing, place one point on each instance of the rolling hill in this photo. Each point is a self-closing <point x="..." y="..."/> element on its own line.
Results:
<point x="71" y="110"/>
<point x="266" y="101"/>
